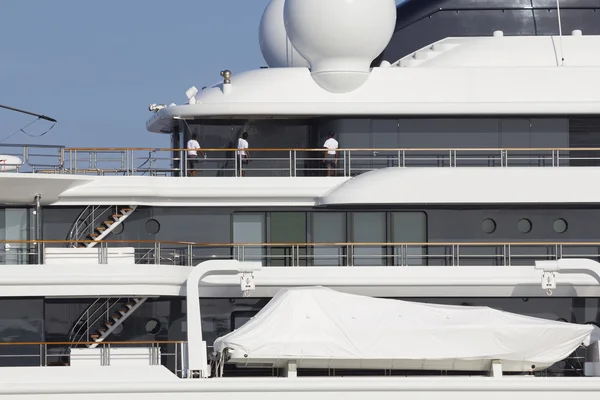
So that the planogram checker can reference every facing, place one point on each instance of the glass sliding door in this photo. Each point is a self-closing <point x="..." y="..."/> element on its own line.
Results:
<point x="369" y="227"/>
<point x="409" y="227"/>
<point x="287" y="238"/>
<point x="328" y="228"/>
<point x="15" y="226"/>
<point x="249" y="233"/>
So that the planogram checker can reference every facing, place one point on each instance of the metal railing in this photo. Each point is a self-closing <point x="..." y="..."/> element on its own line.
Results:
<point x="316" y="254"/>
<point x="46" y="354"/>
<point x="280" y="162"/>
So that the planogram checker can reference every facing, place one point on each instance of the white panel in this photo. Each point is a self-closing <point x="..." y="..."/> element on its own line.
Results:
<point x="80" y="256"/>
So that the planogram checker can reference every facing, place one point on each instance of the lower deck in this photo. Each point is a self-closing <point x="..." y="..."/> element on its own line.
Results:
<point x="54" y="332"/>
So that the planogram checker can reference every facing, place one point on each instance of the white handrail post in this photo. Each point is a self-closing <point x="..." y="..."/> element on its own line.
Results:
<point x="197" y="360"/>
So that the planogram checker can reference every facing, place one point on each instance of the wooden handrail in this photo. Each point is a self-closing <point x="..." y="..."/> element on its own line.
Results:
<point x="89" y="343"/>
<point x="109" y="149"/>
<point x="284" y="244"/>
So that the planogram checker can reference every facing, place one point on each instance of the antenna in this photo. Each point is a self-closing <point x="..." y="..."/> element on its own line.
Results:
<point x="562" y="55"/>
<point x="29" y="113"/>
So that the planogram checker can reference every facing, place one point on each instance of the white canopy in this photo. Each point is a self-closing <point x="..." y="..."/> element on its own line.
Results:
<point x="321" y="328"/>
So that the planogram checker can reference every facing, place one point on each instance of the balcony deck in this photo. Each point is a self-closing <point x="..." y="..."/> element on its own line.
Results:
<point x="276" y="162"/>
<point x="434" y="254"/>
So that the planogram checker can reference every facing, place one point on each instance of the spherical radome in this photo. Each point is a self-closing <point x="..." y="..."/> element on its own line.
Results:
<point x="340" y="38"/>
<point x="276" y="48"/>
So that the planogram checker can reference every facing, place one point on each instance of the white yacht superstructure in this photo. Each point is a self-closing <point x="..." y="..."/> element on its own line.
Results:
<point x="465" y="176"/>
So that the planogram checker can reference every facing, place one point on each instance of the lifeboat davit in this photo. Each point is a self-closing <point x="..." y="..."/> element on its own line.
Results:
<point x="10" y="163"/>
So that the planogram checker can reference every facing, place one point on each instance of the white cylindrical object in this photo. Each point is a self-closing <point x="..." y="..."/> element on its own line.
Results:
<point x="10" y="163"/>
<point x="498" y="33"/>
<point x="340" y="38"/>
<point x="276" y="48"/>
<point x="577" y="32"/>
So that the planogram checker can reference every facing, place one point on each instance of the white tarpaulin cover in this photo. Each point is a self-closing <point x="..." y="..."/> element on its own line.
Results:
<point x="320" y="327"/>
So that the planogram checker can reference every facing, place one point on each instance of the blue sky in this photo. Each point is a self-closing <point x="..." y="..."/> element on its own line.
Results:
<point x="95" y="66"/>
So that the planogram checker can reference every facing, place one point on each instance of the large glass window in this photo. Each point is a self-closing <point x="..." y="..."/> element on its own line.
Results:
<point x="15" y="225"/>
<point x="249" y="230"/>
<point x="409" y="227"/>
<point x="369" y="227"/>
<point x="288" y="229"/>
<point x="328" y="227"/>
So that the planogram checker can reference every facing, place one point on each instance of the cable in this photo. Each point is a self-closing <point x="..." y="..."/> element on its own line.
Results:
<point x="562" y="55"/>
<point x="28" y="134"/>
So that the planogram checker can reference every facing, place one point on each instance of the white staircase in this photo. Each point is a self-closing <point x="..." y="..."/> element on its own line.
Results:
<point x="102" y="318"/>
<point x="97" y="222"/>
<point x="108" y="225"/>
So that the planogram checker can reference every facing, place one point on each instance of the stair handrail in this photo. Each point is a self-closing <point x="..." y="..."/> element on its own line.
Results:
<point x="72" y="332"/>
<point x="102" y="307"/>
<point x="74" y="233"/>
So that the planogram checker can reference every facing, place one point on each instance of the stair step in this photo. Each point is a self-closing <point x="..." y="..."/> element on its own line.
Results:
<point x="101" y="228"/>
<point x="109" y="323"/>
<point x="116" y="317"/>
<point x="126" y="209"/>
<point x="117" y="216"/>
<point x="123" y="311"/>
<point x="93" y="235"/>
<point x="94" y="337"/>
<point x="108" y="222"/>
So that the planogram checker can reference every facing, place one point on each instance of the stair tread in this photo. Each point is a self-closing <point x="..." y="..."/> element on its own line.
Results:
<point x="117" y="216"/>
<point x="109" y="222"/>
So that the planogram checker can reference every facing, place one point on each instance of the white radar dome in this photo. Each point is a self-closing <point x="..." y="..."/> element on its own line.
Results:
<point x="340" y="38"/>
<point x="276" y="48"/>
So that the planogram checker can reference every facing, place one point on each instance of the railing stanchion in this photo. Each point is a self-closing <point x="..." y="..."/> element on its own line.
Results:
<point x="347" y="162"/>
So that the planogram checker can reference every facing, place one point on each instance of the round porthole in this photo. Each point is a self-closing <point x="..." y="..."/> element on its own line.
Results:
<point x="119" y="229"/>
<point x="153" y="326"/>
<point x="524" y="225"/>
<point x="152" y="226"/>
<point x="488" y="225"/>
<point x="118" y="330"/>
<point x="560" y="226"/>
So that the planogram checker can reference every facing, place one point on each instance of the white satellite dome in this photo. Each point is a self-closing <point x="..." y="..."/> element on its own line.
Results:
<point x="277" y="50"/>
<point x="340" y="38"/>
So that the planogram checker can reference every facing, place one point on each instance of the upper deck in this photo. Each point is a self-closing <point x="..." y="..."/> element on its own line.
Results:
<point x="275" y="162"/>
<point x="162" y="177"/>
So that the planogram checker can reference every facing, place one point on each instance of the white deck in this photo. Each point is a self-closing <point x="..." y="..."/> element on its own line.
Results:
<point x="138" y="384"/>
<point x="468" y="76"/>
<point x="385" y="186"/>
<point x="117" y="280"/>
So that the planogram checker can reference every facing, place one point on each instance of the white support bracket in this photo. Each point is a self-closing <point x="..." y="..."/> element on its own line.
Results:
<point x="549" y="282"/>
<point x="549" y="270"/>
<point x="496" y="369"/>
<point x="247" y="284"/>
<point x="291" y="369"/>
